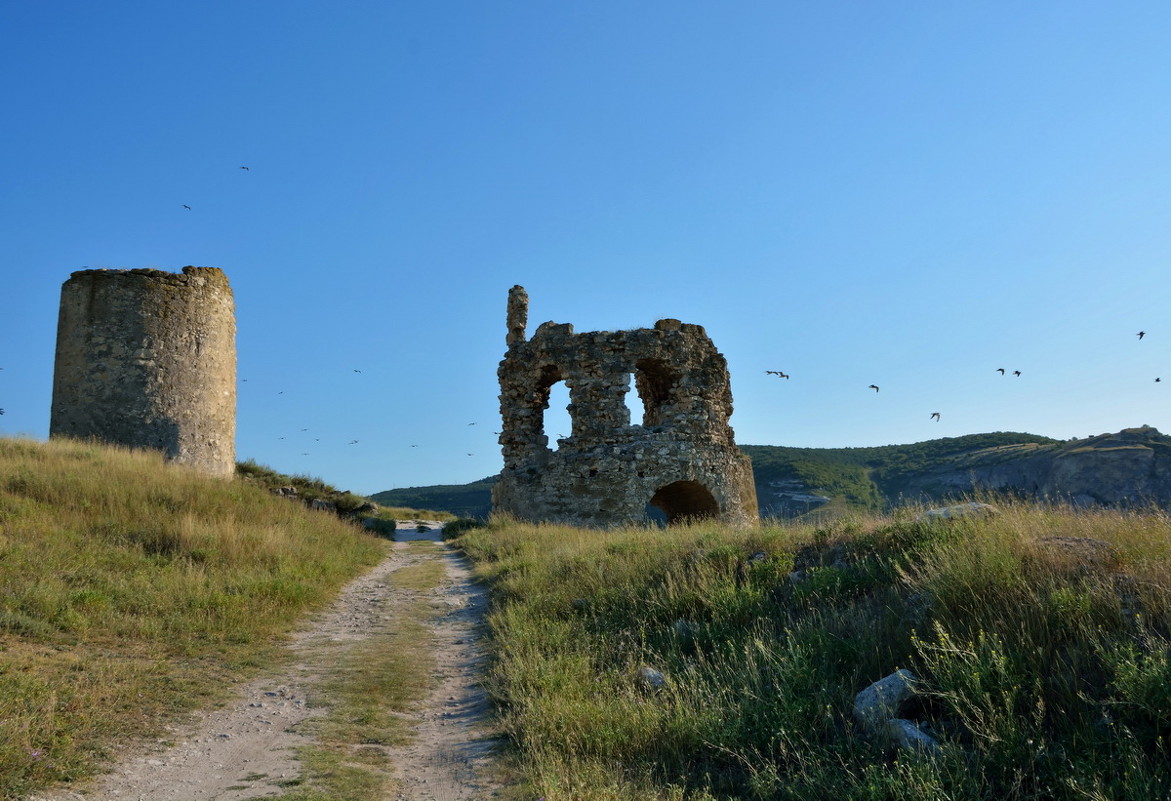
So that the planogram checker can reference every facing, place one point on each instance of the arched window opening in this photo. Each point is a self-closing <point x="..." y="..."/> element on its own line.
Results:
<point x="656" y="382"/>
<point x="634" y="402"/>
<point x="685" y="502"/>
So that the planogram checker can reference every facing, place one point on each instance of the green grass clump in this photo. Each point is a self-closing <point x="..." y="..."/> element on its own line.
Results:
<point x="1041" y="638"/>
<point x="129" y="589"/>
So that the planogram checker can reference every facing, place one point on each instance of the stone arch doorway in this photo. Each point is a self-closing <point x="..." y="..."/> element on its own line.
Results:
<point x="685" y="501"/>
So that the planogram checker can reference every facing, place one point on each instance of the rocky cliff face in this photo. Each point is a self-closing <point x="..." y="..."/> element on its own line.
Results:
<point x="1126" y="469"/>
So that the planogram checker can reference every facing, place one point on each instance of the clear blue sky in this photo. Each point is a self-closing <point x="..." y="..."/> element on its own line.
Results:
<point x="908" y="194"/>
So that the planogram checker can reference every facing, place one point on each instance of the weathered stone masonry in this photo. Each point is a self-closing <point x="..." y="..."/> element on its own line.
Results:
<point x="147" y="359"/>
<point x="682" y="458"/>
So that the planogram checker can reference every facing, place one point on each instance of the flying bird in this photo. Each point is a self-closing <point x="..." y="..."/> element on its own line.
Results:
<point x="186" y="207"/>
<point x="471" y="424"/>
<point x="873" y="387"/>
<point x="1142" y="334"/>
<point x="357" y="371"/>
<point x="935" y="416"/>
<point x="777" y="373"/>
<point x="1016" y="372"/>
<point x="1000" y="370"/>
<point x="1157" y="380"/>
<point x="353" y="442"/>
<point x="2" y="411"/>
<point x="244" y="168"/>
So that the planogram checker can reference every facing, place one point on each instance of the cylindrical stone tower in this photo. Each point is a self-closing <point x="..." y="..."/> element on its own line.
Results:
<point x="147" y="359"/>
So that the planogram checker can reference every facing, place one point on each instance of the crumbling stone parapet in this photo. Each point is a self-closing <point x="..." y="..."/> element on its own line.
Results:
<point x="681" y="457"/>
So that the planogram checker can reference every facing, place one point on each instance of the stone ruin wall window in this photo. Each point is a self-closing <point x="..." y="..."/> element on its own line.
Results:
<point x="552" y="394"/>
<point x="656" y="383"/>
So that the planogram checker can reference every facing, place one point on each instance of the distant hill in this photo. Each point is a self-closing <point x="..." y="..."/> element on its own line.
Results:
<point x="1129" y="468"/>
<point x="464" y="500"/>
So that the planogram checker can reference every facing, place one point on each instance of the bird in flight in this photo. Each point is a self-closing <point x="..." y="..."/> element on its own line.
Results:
<point x="1000" y="370"/>
<point x="244" y="168"/>
<point x="935" y="416"/>
<point x="1157" y="380"/>
<point x="873" y="387"/>
<point x="471" y="424"/>
<point x="777" y="373"/>
<point x="1142" y="334"/>
<point x="2" y="411"/>
<point x="1016" y="372"/>
<point x="186" y="207"/>
<point x="353" y="442"/>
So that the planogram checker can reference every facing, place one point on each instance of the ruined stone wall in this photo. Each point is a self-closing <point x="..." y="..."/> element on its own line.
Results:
<point x="147" y="359"/>
<point x="681" y="458"/>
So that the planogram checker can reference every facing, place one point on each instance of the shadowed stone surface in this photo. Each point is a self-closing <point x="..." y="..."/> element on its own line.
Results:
<point x="681" y="457"/>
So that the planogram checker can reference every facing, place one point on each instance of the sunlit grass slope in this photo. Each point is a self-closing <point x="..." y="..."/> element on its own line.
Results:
<point x="1044" y="663"/>
<point x="130" y="590"/>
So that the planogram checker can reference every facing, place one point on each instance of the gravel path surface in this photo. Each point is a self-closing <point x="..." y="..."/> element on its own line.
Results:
<point x="247" y="749"/>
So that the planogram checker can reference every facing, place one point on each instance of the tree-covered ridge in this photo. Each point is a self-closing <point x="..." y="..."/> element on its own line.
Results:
<point x="464" y="500"/>
<point x="871" y="476"/>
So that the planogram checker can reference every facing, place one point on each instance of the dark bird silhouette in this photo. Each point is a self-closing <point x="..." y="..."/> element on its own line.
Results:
<point x="1" y="411"/>
<point x="777" y="373"/>
<point x="244" y="168"/>
<point x="935" y="416"/>
<point x="1000" y="370"/>
<point x="353" y="442"/>
<point x="1142" y="334"/>
<point x="357" y="371"/>
<point x="1157" y="380"/>
<point x="414" y="446"/>
<point x="471" y="454"/>
<point x="471" y="424"/>
<point x="1016" y="372"/>
<point x="873" y="387"/>
<point x="186" y="207"/>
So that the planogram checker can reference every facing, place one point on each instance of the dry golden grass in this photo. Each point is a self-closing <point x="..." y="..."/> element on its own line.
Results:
<point x="130" y="587"/>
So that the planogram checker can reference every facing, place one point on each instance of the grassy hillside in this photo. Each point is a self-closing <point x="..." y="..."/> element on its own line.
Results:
<point x="717" y="665"/>
<point x="130" y="589"/>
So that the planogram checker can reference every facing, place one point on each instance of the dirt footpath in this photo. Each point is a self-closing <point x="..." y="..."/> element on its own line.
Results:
<point x="247" y="749"/>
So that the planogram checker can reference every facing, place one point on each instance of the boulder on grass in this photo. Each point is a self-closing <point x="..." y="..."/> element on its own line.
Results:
<point x="881" y="701"/>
